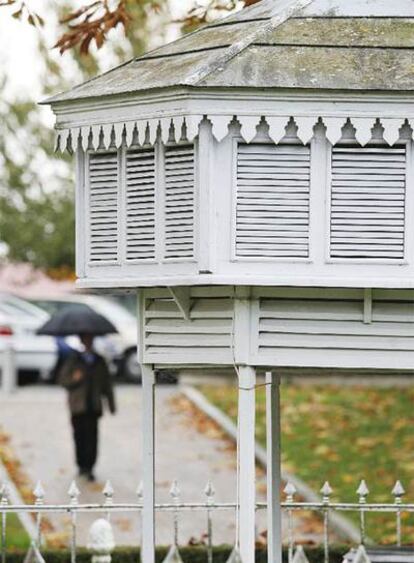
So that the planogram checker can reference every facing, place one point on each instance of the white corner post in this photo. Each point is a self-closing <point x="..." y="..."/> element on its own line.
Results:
<point x="247" y="466"/>
<point x="205" y="203"/>
<point x="8" y="368"/>
<point x="148" y="465"/>
<point x="274" y="512"/>
<point x="148" y="441"/>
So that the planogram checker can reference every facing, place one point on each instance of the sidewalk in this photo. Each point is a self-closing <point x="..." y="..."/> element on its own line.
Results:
<point x="37" y="421"/>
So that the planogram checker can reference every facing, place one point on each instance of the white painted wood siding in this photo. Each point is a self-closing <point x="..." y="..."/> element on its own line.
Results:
<point x="170" y="339"/>
<point x="330" y="328"/>
<point x="272" y="207"/>
<point x="287" y="327"/>
<point x="368" y="195"/>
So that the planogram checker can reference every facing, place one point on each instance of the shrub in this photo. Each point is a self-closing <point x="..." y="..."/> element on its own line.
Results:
<point x="189" y="554"/>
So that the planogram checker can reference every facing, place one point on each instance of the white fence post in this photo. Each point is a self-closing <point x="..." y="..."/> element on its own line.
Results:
<point x="148" y="465"/>
<point x="246" y="463"/>
<point x="274" y="511"/>
<point x="8" y="369"/>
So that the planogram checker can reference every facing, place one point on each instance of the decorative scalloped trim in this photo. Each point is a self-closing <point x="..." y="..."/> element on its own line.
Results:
<point x="147" y="131"/>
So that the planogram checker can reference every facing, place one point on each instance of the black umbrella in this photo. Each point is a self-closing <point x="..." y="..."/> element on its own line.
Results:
<point x="77" y="319"/>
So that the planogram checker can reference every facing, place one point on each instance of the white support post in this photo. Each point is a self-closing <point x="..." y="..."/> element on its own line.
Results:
<point x="8" y="369"/>
<point x="274" y="513"/>
<point x="247" y="467"/>
<point x="148" y="465"/>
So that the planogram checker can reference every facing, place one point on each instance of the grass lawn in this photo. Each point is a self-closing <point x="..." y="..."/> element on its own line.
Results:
<point x="343" y="435"/>
<point x="16" y="536"/>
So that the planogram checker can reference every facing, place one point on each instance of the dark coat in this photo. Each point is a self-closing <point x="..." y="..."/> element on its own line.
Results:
<point x="86" y="393"/>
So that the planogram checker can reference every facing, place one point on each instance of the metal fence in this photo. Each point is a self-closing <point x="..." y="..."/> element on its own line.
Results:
<point x="101" y="539"/>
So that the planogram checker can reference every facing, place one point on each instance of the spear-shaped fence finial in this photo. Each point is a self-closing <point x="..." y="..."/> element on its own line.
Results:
<point x="39" y="493"/>
<point x="363" y="492"/>
<point x="300" y="555"/>
<point x="73" y="493"/>
<point x="290" y="491"/>
<point x="4" y="494"/>
<point x="173" y="555"/>
<point x="209" y="491"/>
<point x="235" y="556"/>
<point x="398" y="491"/>
<point x="361" y="555"/>
<point x="108" y="493"/>
<point x="175" y="491"/>
<point x="326" y="492"/>
<point x="140" y="491"/>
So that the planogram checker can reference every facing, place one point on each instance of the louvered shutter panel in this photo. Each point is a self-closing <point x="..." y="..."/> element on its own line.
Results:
<point x="179" y="201"/>
<point x="367" y="202"/>
<point x="140" y="204"/>
<point x="273" y="186"/>
<point x="170" y="338"/>
<point x="103" y="207"/>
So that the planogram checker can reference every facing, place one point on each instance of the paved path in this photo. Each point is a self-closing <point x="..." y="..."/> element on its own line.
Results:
<point x="37" y="421"/>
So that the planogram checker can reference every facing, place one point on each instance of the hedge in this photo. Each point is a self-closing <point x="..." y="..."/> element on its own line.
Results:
<point x="189" y="554"/>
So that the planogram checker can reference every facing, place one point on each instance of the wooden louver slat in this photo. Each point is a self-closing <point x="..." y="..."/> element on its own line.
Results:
<point x="140" y="204"/>
<point x="367" y="202"/>
<point x="169" y="337"/>
<point x="103" y="207"/>
<point x="179" y="201"/>
<point x="272" y="215"/>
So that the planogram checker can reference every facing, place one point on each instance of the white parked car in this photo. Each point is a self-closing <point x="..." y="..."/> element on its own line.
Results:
<point x="19" y="321"/>
<point x="120" y="350"/>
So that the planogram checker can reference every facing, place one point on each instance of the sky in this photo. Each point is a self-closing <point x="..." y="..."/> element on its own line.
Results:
<point x="18" y="47"/>
<point x="23" y="68"/>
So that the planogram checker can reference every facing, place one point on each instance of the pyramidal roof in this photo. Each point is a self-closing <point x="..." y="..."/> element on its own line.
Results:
<point x="299" y="44"/>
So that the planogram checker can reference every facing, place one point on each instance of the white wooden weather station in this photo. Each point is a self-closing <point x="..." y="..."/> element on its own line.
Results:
<point x="254" y="182"/>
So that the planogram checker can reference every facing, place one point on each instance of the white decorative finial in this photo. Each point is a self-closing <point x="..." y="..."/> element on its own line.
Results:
<point x="300" y="555"/>
<point x="361" y="555"/>
<point x="108" y="492"/>
<point x="101" y="541"/>
<point x="140" y="491"/>
<point x="73" y="493"/>
<point x="173" y="555"/>
<point x="4" y="494"/>
<point x="290" y="491"/>
<point x="39" y="493"/>
<point x="209" y="491"/>
<point x="326" y="492"/>
<point x="398" y="491"/>
<point x="235" y="556"/>
<point x="362" y="491"/>
<point x="175" y="491"/>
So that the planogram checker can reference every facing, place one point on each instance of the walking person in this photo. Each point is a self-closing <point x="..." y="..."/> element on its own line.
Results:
<point x="86" y="377"/>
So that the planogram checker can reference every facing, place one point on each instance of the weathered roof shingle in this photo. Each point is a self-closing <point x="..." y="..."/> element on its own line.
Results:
<point x="328" y="44"/>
